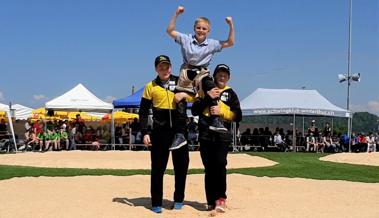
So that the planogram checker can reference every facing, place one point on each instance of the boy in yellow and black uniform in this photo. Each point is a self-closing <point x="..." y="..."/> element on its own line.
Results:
<point x="214" y="145"/>
<point x="159" y="95"/>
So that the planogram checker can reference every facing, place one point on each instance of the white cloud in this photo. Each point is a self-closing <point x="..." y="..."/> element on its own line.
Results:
<point x="39" y="97"/>
<point x="2" y="96"/>
<point x="371" y="107"/>
<point x="109" y="99"/>
<point x="358" y="108"/>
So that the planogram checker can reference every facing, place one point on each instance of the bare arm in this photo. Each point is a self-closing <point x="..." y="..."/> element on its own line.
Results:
<point x="230" y="42"/>
<point x="171" y="26"/>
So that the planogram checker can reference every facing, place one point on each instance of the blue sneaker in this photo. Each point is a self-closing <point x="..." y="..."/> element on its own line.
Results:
<point x="178" y="205"/>
<point x="157" y="209"/>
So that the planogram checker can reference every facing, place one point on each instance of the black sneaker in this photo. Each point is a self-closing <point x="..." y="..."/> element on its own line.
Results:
<point x="178" y="142"/>
<point x="217" y="125"/>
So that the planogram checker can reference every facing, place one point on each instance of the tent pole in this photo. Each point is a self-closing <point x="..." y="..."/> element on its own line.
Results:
<point x="332" y="126"/>
<point x="130" y="138"/>
<point x="12" y="129"/>
<point x="293" y="133"/>
<point x="350" y="129"/>
<point x="303" y="128"/>
<point x="113" y="132"/>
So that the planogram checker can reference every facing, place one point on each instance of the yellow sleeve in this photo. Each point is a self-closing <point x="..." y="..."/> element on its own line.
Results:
<point x="225" y="112"/>
<point x="190" y="98"/>
<point x="147" y="91"/>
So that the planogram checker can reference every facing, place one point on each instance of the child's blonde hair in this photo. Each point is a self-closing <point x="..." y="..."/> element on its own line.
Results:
<point x="202" y="19"/>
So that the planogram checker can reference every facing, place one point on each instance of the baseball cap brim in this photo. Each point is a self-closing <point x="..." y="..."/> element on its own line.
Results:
<point x="162" y="59"/>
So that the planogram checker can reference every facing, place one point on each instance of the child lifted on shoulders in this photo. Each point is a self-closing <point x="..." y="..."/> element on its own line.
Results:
<point x="194" y="78"/>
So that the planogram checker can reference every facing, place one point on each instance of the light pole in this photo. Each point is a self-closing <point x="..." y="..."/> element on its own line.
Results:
<point x="348" y="77"/>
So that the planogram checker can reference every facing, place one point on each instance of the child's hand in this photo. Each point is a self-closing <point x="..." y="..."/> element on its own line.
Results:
<point x="229" y="20"/>
<point x="180" y="96"/>
<point x="180" y="10"/>
<point x="214" y="93"/>
<point x="215" y="110"/>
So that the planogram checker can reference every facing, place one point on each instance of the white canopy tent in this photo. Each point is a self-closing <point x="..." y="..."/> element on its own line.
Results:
<point x="22" y="112"/>
<point x="81" y="99"/>
<point x="4" y="107"/>
<point x="290" y="102"/>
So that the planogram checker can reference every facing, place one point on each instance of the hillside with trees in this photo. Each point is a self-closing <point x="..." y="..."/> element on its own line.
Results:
<point x="362" y="122"/>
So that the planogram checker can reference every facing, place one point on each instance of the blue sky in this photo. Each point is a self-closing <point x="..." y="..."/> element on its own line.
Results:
<point x="48" y="47"/>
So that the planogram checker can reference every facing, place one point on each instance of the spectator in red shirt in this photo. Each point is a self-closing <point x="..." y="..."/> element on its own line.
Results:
<point x="80" y="122"/>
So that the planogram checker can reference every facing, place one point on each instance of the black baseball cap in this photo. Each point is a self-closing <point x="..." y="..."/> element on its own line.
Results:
<point x="162" y="59"/>
<point x="221" y="67"/>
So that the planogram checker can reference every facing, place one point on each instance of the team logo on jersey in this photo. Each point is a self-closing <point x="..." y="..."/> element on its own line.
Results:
<point x="224" y="96"/>
<point x="171" y="85"/>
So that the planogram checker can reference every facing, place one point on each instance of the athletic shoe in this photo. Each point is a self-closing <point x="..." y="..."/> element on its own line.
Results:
<point x="217" y="125"/>
<point x="177" y="206"/>
<point x="220" y="205"/>
<point x="157" y="209"/>
<point x="178" y="142"/>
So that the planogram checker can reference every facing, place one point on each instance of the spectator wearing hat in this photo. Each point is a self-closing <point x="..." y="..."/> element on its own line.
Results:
<point x="214" y="145"/>
<point x="312" y="128"/>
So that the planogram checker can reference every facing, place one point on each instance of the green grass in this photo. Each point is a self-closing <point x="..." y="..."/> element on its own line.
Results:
<point x="301" y="165"/>
<point x="308" y="165"/>
<point x="7" y="172"/>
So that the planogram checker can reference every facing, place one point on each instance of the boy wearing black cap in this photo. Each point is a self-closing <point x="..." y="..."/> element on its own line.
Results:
<point x="214" y="145"/>
<point x="158" y="95"/>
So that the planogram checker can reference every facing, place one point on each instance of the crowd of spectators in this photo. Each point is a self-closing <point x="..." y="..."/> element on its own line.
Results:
<point x="129" y="135"/>
<point x="64" y="135"/>
<point x="75" y="134"/>
<point x="264" y="139"/>
<point x="315" y="140"/>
